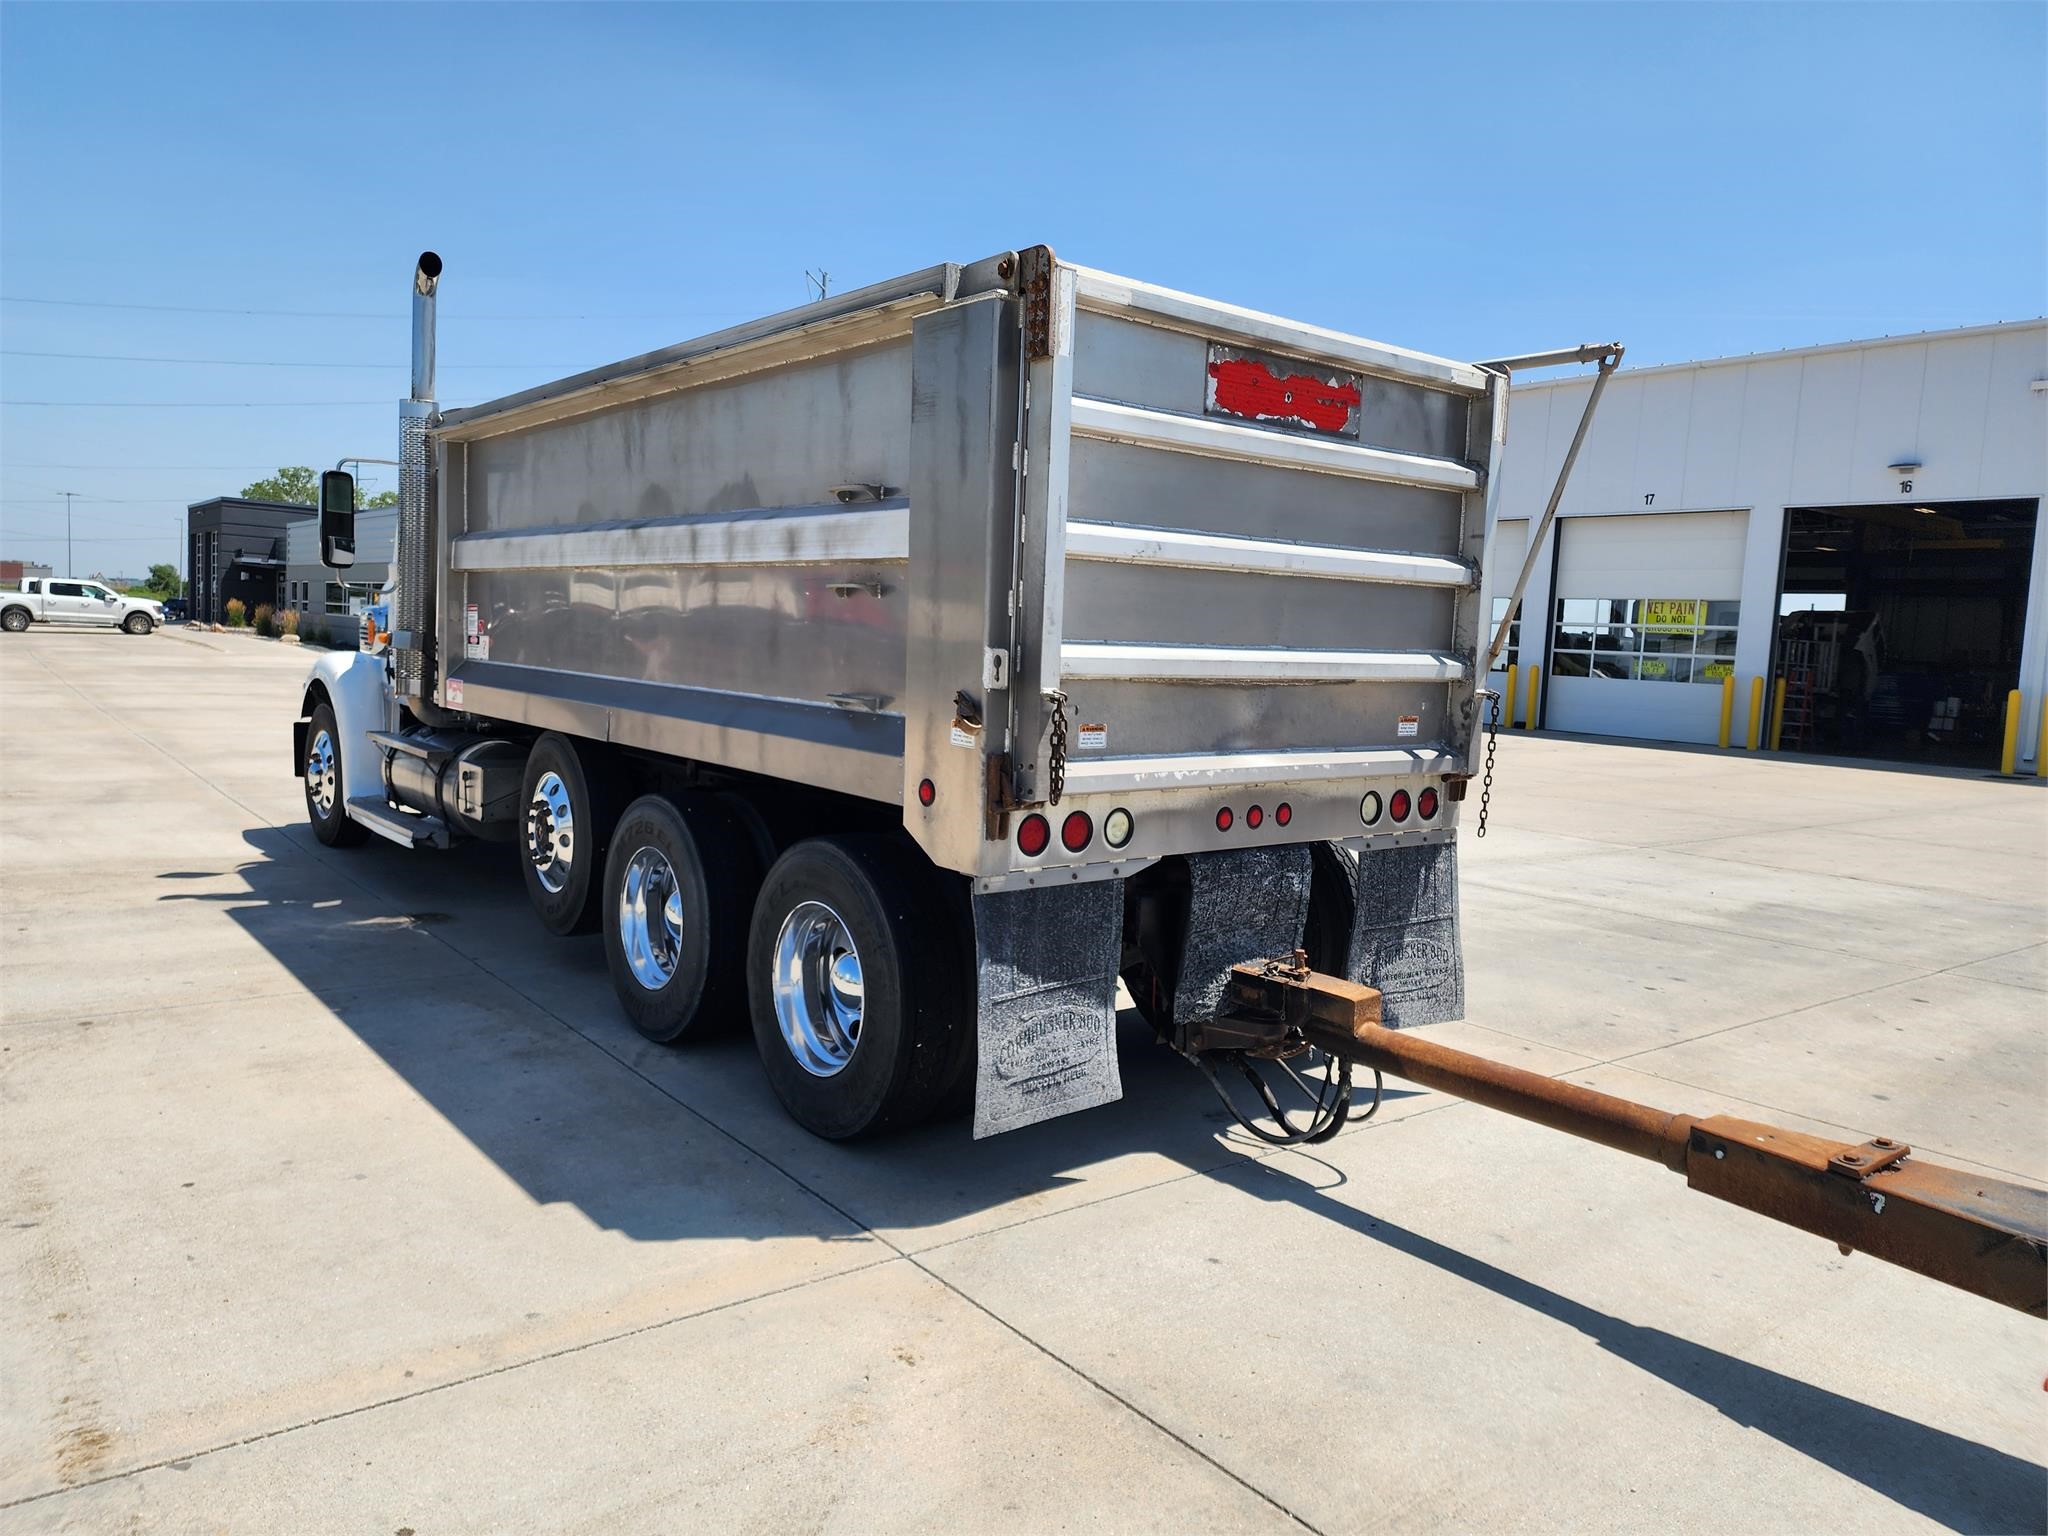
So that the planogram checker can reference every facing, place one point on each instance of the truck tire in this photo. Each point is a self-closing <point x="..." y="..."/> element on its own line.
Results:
<point x="14" y="620"/>
<point x="326" y="790"/>
<point x="678" y="887"/>
<point x="858" y="987"/>
<point x="570" y="805"/>
<point x="137" y="624"/>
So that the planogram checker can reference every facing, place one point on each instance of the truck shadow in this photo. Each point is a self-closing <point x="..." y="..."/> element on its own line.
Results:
<point x="514" y="1038"/>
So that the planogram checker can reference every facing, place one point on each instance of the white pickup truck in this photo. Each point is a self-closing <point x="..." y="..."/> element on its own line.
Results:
<point x="65" y="600"/>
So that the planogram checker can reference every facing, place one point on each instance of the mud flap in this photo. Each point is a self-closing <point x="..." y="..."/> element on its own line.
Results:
<point x="1046" y="964"/>
<point x="1405" y="937"/>
<point x="1251" y="904"/>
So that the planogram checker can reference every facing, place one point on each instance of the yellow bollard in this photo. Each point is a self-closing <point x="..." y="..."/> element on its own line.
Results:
<point x="1777" y="714"/>
<point x="2009" y="756"/>
<point x="1529" y="722"/>
<point x="1727" y="706"/>
<point x="1756" y="712"/>
<point x="1507" y="704"/>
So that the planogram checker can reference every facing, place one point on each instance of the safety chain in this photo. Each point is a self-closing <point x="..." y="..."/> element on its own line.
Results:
<point x="1492" y="742"/>
<point x="1056" y="767"/>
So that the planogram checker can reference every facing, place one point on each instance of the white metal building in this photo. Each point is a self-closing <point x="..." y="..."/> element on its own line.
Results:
<point x="1896" y="485"/>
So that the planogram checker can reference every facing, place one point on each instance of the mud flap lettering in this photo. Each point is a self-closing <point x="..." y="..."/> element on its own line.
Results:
<point x="1045" y="964"/>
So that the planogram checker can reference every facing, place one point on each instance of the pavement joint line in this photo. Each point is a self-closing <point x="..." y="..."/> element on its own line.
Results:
<point x="903" y="1254"/>
<point x="443" y="1386"/>
<point x="1693" y="851"/>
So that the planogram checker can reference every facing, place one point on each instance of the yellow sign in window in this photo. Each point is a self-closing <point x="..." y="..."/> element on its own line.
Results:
<point x="1670" y="613"/>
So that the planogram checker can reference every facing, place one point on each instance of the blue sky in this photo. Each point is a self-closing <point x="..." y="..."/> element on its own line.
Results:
<point x="1696" y="180"/>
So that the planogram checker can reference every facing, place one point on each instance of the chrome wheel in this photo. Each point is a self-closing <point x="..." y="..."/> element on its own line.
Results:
<point x="817" y="988"/>
<point x="551" y="833"/>
<point x="320" y="782"/>
<point x="650" y="918"/>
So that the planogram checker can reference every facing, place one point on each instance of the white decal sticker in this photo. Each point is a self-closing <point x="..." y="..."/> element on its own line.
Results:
<point x="454" y="693"/>
<point x="1091" y="738"/>
<point x="1408" y="725"/>
<point x="962" y="738"/>
<point x="472" y="623"/>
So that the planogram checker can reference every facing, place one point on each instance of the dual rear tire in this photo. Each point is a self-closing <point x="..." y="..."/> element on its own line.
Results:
<point x="844" y="957"/>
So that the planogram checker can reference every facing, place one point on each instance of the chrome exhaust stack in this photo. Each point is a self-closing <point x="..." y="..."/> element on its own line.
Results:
<point x="410" y="640"/>
<point x="426" y="281"/>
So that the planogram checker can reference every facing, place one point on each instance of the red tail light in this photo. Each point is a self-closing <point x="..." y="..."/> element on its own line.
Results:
<point x="1076" y="831"/>
<point x="927" y="792"/>
<point x="1426" y="804"/>
<point x="1034" y="832"/>
<point x="1224" y="819"/>
<point x="1254" y="816"/>
<point x="1283" y="813"/>
<point x="1399" y="804"/>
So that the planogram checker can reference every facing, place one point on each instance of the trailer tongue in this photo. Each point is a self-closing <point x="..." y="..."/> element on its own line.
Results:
<point x="1978" y="1234"/>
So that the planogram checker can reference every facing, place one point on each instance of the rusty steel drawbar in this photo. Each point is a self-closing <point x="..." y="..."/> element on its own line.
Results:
<point x="1978" y="1234"/>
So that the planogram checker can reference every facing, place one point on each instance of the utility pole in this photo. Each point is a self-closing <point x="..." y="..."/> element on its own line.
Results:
<point x="68" y="571"/>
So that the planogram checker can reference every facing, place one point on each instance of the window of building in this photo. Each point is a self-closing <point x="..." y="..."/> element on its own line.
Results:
<point x="1645" y="639"/>
<point x="337" y="597"/>
<point x="1511" y="656"/>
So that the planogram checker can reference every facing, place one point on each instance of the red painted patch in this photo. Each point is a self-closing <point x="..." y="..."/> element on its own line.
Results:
<point x="1247" y="387"/>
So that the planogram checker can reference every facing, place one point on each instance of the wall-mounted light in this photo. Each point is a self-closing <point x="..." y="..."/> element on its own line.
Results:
<point x="1906" y="466"/>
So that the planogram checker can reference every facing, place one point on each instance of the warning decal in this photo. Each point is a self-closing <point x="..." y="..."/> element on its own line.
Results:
<point x="1408" y="725"/>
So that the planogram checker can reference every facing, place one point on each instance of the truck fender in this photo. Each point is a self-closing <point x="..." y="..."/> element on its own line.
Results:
<point x="354" y="684"/>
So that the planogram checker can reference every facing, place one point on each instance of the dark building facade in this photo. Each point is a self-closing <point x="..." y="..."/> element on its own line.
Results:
<point x="236" y="548"/>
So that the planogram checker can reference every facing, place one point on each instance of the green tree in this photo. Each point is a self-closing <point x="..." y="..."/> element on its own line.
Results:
<point x="297" y="483"/>
<point x="163" y="581"/>
<point x="294" y="483"/>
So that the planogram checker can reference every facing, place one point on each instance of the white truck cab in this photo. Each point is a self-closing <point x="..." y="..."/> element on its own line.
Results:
<point x="71" y="600"/>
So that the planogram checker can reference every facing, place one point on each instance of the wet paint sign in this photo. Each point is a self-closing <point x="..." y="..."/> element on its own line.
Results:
<point x="1254" y="387"/>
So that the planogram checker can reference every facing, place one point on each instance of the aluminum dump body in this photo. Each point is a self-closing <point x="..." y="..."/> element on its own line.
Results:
<point x="943" y="541"/>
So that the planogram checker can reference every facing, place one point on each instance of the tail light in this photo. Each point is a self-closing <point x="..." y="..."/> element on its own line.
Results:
<point x="1283" y="813"/>
<point x="927" y="792"/>
<point x="1224" y="819"/>
<point x="1254" y="817"/>
<point x="1117" y="827"/>
<point x="1369" y="807"/>
<point x="1400" y="805"/>
<point x="1426" y="803"/>
<point x="1077" y="831"/>
<point x="1034" y="833"/>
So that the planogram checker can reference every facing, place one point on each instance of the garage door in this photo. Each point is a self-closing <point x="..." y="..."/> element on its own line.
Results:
<point x="1510" y="549"/>
<point x="1643" y="628"/>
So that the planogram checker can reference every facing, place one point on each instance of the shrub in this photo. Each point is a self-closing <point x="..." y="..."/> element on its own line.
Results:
<point x="313" y="631"/>
<point x="266" y="619"/>
<point x="238" y="613"/>
<point x="288" y="621"/>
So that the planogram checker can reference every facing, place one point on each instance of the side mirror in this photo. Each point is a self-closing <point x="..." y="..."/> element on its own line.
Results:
<point x="337" y="519"/>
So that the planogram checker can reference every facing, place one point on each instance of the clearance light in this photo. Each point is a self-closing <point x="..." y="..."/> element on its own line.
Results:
<point x="1399" y="805"/>
<point x="1283" y="813"/>
<point x="927" y="792"/>
<point x="1369" y="807"/>
<point x="1034" y="832"/>
<point x="1254" y="816"/>
<point x="1224" y="819"/>
<point x="1077" y="831"/>
<point x="1426" y="804"/>
<point x="1117" y="827"/>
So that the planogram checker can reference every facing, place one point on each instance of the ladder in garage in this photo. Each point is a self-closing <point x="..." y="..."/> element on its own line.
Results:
<point x="1799" y="666"/>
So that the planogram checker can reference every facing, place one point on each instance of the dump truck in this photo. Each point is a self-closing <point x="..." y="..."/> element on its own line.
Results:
<point x="910" y="675"/>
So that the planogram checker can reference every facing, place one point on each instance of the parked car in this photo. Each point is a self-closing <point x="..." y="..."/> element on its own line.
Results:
<point x="67" y="600"/>
<point x="176" y="610"/>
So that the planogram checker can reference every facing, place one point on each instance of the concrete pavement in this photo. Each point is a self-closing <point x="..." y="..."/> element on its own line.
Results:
<point x="339" y="1197"/>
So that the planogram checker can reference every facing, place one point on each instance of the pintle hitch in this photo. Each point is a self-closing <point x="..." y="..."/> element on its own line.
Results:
<point x="1982" y="1235"/>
